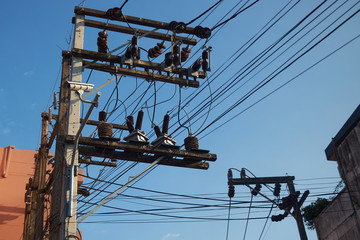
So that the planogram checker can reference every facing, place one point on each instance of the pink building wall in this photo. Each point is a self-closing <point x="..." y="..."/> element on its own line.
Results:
<point x="16" y="167"/>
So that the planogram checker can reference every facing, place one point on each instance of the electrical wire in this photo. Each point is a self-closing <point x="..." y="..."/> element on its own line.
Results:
<point x="228" y="221"/>
<point x="262" y="231"/>
<point x="248" y="217"/>
<point x="234" y="16"/>
<point x="202" y="14"/>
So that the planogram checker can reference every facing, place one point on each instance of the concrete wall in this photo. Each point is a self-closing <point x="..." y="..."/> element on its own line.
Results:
<point x="337" y="220"/>
<point x="16" y="167"/>
<point x="348" y="154"/>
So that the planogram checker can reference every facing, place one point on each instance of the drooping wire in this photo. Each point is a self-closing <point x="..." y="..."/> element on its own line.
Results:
<point x="267" y="219"/>
<point x="179" y="109"/>
<point x="153" y="116"/>
<point x="208" y="113"/>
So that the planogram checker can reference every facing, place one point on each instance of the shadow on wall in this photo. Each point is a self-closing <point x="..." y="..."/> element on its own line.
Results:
<point x="4" y="218"/>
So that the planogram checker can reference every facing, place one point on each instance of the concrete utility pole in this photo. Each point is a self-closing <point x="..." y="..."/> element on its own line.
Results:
<point x="272" y="180"/>
<point x="63" y="215"/>
<point x="57" y="205"/>
<point x="63" y="180"/>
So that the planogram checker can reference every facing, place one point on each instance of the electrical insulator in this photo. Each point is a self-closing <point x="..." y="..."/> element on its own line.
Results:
<point x="102" y="116"/>
<point x="139" y="120"/>
<point x="191" y="142"/>
<point x="102" y="42"/>
<point x="277" y="189"/>
<point x="231" y="192"/>
<point x="242" y="173"/>
<point x="157" y="50"/>
<point x="157" y="131"/>
<point x="130" y="123"/>
<point x="166" y="121"/>
<point x="177" y="27"/>
<point x="205" y="63"/>
<point x="105" y="129"/>
<point x="229" y="175"/>
<point x="277" y="218"/>
<point x="202" y="32"/>
<point x="256" y="190"/>
<point x="169" y="59"/>
<point x="177" y="55"/>
<point x="114" y="13"/>
<point x="133" y="51"/>
<point x="197" y="65"/>
<point x="185" y="53"/>
<point x="289" y="200"/>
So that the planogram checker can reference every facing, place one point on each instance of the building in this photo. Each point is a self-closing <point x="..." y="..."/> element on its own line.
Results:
<point x="340" y="220"/>
<point x="16" y="167"/>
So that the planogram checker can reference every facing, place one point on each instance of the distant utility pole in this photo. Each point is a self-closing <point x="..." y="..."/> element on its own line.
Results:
<point x="34" y="197"/>
<point x="287" y="203"/>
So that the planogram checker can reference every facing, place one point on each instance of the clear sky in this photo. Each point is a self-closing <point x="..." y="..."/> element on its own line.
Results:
<point x="285" y="134"/>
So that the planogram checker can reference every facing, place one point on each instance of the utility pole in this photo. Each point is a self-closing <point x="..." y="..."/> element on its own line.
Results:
<point x="36" y="220"/>
<point x="296" y="204"/>
<point x="63" y="180"/>
<point x="57" y="202"/>
<point x="63" y="215"/>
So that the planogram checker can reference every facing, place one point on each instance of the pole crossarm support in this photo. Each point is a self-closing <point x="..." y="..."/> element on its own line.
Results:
<point x="129" y="19"/>
<point x="127" y="30"/>
<point x="141" y="74"/>
<point x="136" y="63"/>
<point x="135" y="148"/>
<point x="169" y="161"/>
<point x="260" y="180"/>
<point x="96" y="123"/>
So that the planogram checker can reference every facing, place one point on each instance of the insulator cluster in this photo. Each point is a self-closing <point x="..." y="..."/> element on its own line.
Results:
<point x="205" y="62"/>
<point x="177" y="27"/>
<point x="185" y="53"/>
<point x="289" y="200"/>
<point x="202" y="32"/>
<point x="114" y="13"/>
<point x="256" y="190"/>
<point x="157" y="50"/>
<point x="174" y="57"/>
<point x="199" y="31"/>
<point x="102" y="42"/>
<point x="202" y="62"/>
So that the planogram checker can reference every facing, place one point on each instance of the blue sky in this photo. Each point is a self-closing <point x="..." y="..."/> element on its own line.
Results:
<point x="285" y="134"/>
